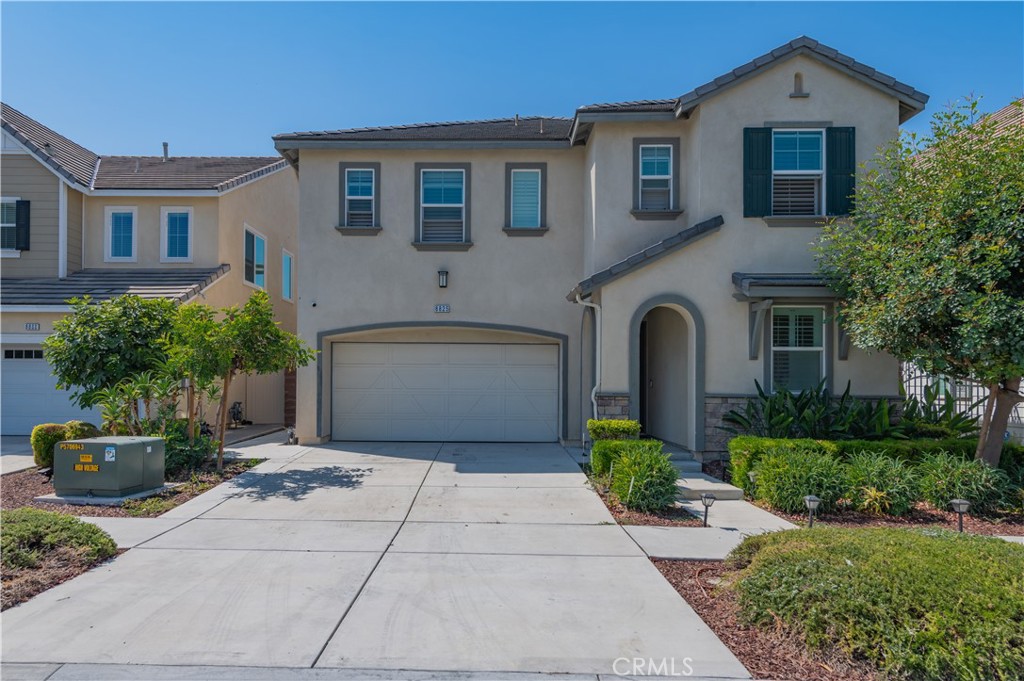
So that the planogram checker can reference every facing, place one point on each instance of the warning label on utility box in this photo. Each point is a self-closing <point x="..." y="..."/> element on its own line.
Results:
<point x="85" y="458"/>
<point x="87" y="468"/>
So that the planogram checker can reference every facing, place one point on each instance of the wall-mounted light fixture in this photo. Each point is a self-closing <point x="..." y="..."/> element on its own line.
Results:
<point x="442" y="278"/>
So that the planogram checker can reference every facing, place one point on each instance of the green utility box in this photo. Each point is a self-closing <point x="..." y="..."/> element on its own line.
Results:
<point x="108" y="466"/>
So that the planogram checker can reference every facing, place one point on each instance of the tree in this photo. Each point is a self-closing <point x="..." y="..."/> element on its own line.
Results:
<point x="252" y="343"/>
<point x="195" y="351"/>
<point x="100" y="344"/>
<point x="930" y="264"/>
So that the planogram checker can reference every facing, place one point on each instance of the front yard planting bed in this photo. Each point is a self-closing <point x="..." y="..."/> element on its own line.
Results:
<point x="672" y="516"/>
<point x="42" y="549"/>
<point x="922" y="516"/>
<point x="21" y="488"/>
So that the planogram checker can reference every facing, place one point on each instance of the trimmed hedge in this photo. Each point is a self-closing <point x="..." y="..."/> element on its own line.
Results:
<point x="644" y="478"/>
<point x="607" y="452"/>
<point x="746" y="451"/>
<point x="613" y="429"/>
<point x="80" y="430"/>
<point x="925" y="605"/>
<point x="785" y="477"/>
<point x="44" y="438"/>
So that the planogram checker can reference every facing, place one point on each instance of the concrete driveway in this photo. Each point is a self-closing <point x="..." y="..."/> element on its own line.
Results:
<point x="442" y="557"/>
<point x="15" y="453"/>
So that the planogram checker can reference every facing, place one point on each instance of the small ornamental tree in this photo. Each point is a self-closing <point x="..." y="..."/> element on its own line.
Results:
<point x="100" y="344"/>
<point x="252" y="343"/>
<point x="195" y="351"/>
<point x="930" y="264"/>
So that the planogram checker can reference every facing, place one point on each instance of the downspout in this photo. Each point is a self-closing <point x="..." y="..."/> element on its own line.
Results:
<point x="597" y="351"/>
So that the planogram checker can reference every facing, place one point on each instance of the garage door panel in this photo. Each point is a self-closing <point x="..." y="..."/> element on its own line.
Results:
<point x="30" y="397"/>
<point x="435" y="391"/>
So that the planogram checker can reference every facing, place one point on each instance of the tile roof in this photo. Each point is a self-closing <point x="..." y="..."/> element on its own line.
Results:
<point x="532" y="128"/>
<point x="73" y="161"/>
<point x="645" y="105"/>
<point x="177" y="285"/>
<point x="647" y="256"/>
<point x="182" y="172"/>
<point x="1011" y="114"/>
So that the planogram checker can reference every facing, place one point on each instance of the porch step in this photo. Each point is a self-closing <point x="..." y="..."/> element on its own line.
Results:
<point x="686" y="466"/>
<point x="692" y="485"/>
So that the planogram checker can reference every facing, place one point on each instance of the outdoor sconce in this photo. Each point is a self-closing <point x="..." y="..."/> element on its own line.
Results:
<point x="960" y="507"/>
<point x="707" y="499"/>
<point x="442" y="278"/>
<point x="811" y="502"/>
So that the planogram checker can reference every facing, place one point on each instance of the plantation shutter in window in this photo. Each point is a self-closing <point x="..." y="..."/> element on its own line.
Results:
<point x="21" y="225"/>
<point x="443" y="207"/>
<point x="841" y="166"/>
<point x="525" y="198"/>
<point x="757" y="172"/>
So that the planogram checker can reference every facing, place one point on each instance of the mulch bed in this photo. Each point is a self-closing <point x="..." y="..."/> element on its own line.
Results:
<point x="923" y="516"/>
<point x="20" y="488"/>
<point x="671" y="517"/>
<point x="766" y="654"/>
<point x="716" y="469"/>
<point x="55" y="567"/>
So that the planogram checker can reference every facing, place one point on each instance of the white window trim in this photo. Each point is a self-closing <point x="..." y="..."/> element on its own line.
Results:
<point x="164" y="212"/>
<point x="260" y="235"/>
<point x="540" y="197"/>
<point x="291" y="283"/>
<point x="11" y="252"/>
<point x="372" y="197"/>
<point x="641" y="177"/>
<point x="801" y="173"/>
<point x="772" y="347"/>
<point x="424" y="205"/>
<point x="108" y="232"/>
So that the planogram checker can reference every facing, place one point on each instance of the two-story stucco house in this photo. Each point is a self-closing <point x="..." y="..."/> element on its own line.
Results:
<point x="75" y="223"/>
<point x="504" y="280"/>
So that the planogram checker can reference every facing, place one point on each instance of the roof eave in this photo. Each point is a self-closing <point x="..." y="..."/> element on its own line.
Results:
<point x="43" y="157"/>
<point x="287" y="145"/>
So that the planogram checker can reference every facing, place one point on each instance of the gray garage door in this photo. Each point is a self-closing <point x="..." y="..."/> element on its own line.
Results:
<point x="28" y="395"/>
<point x="445" y="391"/>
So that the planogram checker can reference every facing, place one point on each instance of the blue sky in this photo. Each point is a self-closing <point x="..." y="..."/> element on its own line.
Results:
<point x="221" y="78"/>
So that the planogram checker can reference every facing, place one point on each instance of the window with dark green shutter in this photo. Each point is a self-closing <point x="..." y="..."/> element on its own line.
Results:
<point x="8" y="223"/>
<point x="840" y="174"/>
<point x="757" y="172"/>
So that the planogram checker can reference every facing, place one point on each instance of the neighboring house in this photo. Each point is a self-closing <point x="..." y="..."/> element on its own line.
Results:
<point x="186" y="228"/>
<point x="477" y="280"/>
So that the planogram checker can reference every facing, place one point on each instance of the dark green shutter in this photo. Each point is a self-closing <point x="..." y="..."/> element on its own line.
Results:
<point x="757" y="172"/>
<point x="21" y="225"/>
<point x="840" y="170"/>
<point x="250" y="258"/>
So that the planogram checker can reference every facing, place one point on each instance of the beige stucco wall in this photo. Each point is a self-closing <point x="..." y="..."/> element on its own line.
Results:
<point x="23" y="177"/>
<point x="382" y="279"/>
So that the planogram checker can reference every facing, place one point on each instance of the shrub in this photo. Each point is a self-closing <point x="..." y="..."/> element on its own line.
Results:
<point x="786" y="476"/>
<point x="181" y="456"/>
<point x="43" y="439"/>
<point x="607" y="452"/>
<point x="81" y="430"/>
<point x="945" y="477"/>
<point x="613" y="429"/>
<point x="932" y="606"/>
<point x="30" y="534"/>
<point x="746" y="451"/>
<point x="880" y="484"/>
<point x="644" y="479"/>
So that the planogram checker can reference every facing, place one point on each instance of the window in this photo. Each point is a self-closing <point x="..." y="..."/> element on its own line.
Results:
<point x="525" y="211"/>
<point x="359" y="197"/>
<point x="655" y="177"/>
<point x="176" y="228"/>
<point x="121" y="239"/>
<point x="8" y="223"/>
<point x="797" y="172"/>
<point x="798" y="347"/>
<point x="255" y="258"/>
<point x="23" y="354"/>
<point x="286" y="274"/>
<point x="442" y="206"/>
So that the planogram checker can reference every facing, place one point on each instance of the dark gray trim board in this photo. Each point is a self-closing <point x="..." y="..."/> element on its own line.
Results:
<point x="829" y="342"/>
<point x="343" y="193"/>
<point x="467" y="194"/>
<point x="697" y="368"/>
<point x="672" y="142"/>
<point x="290" y="145"/>
<point x="543" y="168"/>
<point x="563" y="342"/>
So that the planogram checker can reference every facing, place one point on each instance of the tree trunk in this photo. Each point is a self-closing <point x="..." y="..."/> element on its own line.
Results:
<point x="190" y="393"/>
<point x="222" y="421"/>
<point x="986" y="420"/>
<point x="1007" y="397"/>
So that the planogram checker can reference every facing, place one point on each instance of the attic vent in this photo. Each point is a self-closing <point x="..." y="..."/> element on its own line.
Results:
<point x="798" y="86"/>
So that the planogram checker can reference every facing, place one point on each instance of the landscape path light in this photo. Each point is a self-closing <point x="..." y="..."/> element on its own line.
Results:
<point x="811" y="502"/>
<point x="752" y="476"/>
<point x="960" y="507"/>
<point x="707" y="498"/>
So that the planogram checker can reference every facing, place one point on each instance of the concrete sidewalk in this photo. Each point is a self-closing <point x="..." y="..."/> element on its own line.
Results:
<point x="327" y="561"/>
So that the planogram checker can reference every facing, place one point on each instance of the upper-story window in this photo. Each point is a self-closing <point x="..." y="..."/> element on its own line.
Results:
<point x="121" y="239"/>
<point x="525" y="198"/>
<point x="255" y="258"/>
<point x="655" y="177"/>
<point x="359" y="184"/>
<point x="287" y="263"/>
<point x="176" y="234"/>
<point x="798" y="347"/>
<point x="798" y="172"/>
<point x="442" y="206"/>
<point x="8" y="223"/>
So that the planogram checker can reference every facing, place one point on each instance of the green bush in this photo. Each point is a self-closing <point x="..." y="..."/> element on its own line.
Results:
<point x="929" y="606"/>
<point x="880" y="484"/>
<point x="946" y="476"/>
<point x="43" y="439"/>
<point x="613" y="429"/>
<point x="180" y="455"/>
<point x="30" y="533"/>
<point x="644" y="479"/>
<point x="746" y="451"/>
<point x="786" y="476"/>
<point x="81" y="430"/>
<point x="607" y="452"/>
